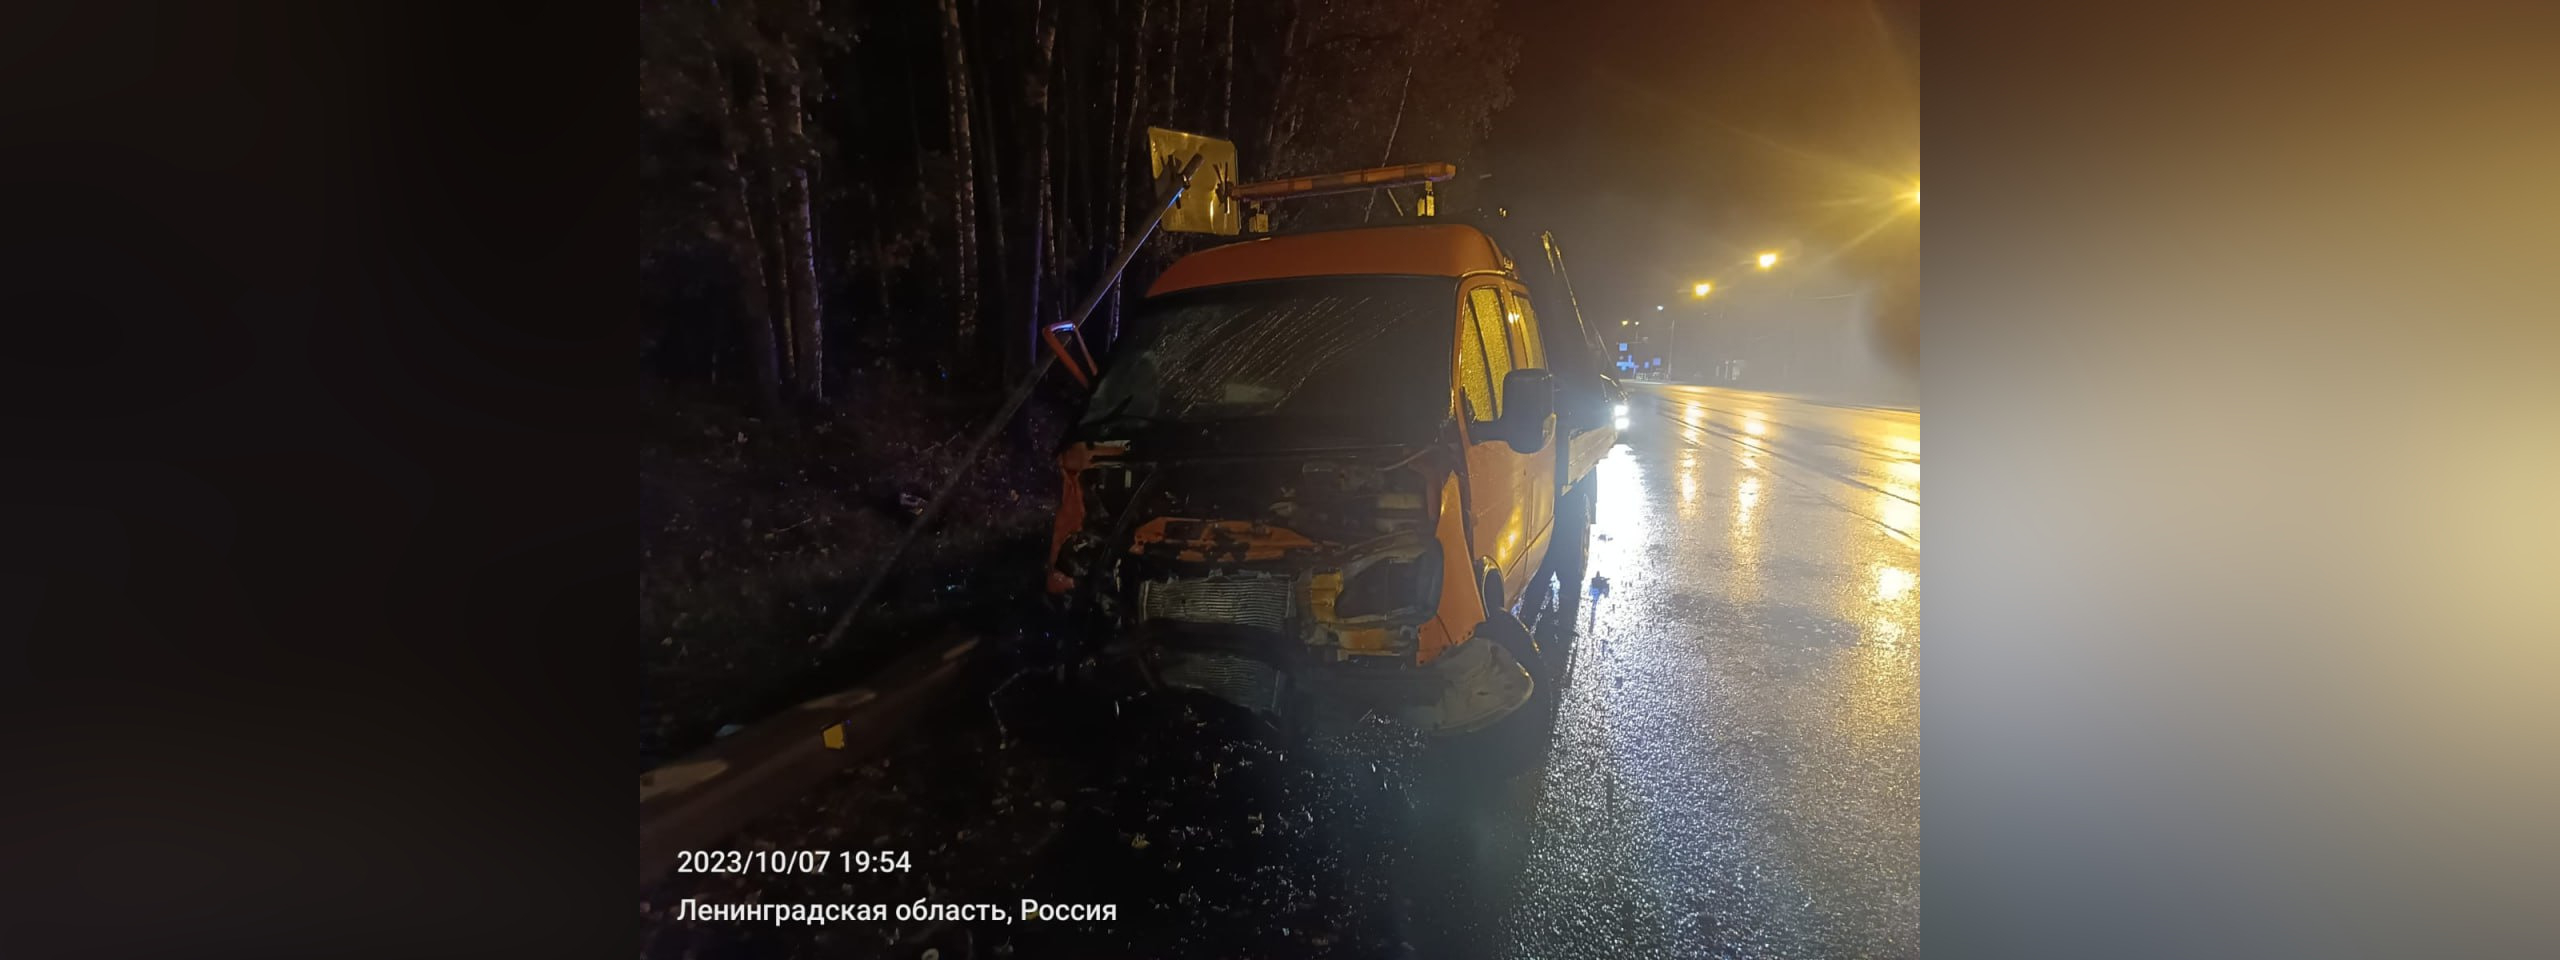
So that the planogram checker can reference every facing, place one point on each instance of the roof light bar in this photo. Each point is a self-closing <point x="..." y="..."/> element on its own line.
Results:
<point x="1350" y="181"/>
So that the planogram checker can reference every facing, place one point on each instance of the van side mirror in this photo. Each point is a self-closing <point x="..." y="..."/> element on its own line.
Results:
<point x="1528" y="399"/>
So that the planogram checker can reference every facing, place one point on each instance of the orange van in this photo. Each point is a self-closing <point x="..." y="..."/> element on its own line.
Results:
<point x="1319" y="471"/>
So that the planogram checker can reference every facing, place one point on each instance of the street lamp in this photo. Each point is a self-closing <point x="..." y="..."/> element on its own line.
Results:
<point x="1768" y="260"/>
<point x="1700" y="291"/>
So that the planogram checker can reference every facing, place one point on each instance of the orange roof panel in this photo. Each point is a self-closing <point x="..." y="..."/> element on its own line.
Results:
<point x="1429" y="250"/>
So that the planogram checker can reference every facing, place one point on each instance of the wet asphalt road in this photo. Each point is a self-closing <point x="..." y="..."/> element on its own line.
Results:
<point x="1730" y="769"/>
<point x="1734" y="768"/>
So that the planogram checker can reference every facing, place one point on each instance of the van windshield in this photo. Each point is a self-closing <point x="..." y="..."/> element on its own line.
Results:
<point x="1362" y="358"/>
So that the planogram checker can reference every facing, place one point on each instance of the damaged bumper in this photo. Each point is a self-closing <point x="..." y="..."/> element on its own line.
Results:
<point x="1329" y="637"/>
<point x="1328" y="604"/>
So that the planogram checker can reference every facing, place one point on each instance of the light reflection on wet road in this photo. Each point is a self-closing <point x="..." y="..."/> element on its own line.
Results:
<point x="1734" y="769"/>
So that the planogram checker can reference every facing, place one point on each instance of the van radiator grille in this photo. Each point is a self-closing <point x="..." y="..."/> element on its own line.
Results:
<point x="1250" y="601"/>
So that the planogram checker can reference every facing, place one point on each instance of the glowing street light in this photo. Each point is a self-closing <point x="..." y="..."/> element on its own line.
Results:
<point x="1701" y="290"/>
<point x="1768" y="260"/>
<point x="1657" y="308"/>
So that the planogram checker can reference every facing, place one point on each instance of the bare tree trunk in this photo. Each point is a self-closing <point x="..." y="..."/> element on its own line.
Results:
<point x="1227" y="73"/>
<point x="964" y="199"/>
<point x="1276" y="133"/>
<point x="1137" y="85"/>
<point x="738" y="229"/>
<point x="774" y="252"/>
<point x="800" y="241"/>
<point x="991" y="187"/>
<point x="1072" y="197"/>
<point x="1103" y="197"/>
<point x="1024" y="342"/>
<point x="1121" y="153"/>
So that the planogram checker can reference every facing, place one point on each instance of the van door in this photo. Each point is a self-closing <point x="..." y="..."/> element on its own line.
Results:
<point x="1511" y="494"/>
<point x="1529" y="352"/>
<point x="1583" y="419"/>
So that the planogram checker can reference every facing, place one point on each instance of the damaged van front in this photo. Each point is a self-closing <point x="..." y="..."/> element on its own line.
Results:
<point x="1266" y="503"/>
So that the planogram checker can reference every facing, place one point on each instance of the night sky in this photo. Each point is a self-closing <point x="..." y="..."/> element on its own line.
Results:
<point x="1663" y="142"/>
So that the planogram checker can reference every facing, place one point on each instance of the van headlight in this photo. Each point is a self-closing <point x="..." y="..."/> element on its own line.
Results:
<point x="1388" y="583"/>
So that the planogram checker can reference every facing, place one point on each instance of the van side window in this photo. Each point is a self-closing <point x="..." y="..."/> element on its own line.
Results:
<point x="1472" y="382"/>
<point x="1486" y="304"/>
<point x="1524" y="333"/>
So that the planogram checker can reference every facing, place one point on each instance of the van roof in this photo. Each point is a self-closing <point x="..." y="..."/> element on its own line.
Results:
<point x="1428" y="250"/>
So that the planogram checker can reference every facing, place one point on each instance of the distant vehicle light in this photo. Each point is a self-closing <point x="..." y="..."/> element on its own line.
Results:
<point x="1622" y="423"/>
<point x="1618" y="410"/>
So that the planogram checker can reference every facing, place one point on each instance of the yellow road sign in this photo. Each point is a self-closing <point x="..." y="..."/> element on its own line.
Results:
<point x="1209" y="206"/>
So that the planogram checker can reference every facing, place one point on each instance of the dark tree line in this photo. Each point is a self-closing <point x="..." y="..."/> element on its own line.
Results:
<point x="848" y="189"/>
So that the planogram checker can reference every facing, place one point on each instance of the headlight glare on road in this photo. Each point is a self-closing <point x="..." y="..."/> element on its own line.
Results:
<point x="1622" y="423"/>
